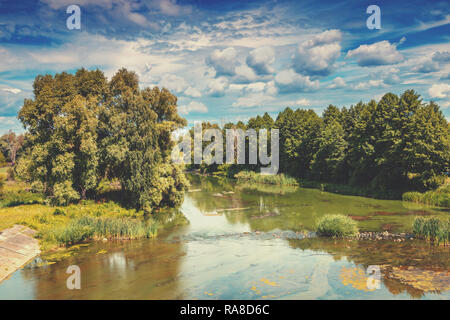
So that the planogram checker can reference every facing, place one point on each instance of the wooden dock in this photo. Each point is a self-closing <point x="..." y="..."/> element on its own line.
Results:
<point x="17" y="247"/>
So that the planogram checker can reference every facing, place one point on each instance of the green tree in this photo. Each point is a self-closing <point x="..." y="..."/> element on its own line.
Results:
<point x="82" y="128"/>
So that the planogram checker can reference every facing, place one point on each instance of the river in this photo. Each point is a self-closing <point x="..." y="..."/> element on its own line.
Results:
<point x="252" y="242"/>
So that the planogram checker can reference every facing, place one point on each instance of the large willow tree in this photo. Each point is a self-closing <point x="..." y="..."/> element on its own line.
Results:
<point x="82" y="128"/>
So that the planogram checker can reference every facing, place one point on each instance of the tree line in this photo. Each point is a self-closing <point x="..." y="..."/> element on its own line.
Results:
<point x="397" y="143"/>
<point x="82" y="128"/>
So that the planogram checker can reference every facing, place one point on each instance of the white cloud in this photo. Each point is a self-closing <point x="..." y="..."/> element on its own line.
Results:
<point x="217" y="87"/>
<point x="173" y="83"/>
<point x="193" y="106"/>
<point x="303" y="102"/>
<point x="244" y="74"/>
<point x="433" y="63"/>
<point x="260" y="60"/>
<point x="193" y="92"/>
<point x="12" y="90"/>
<point x="253" y="100"/>
<point x="289" y="81"/>
<point x="224" y="62"/>
<point x="316" y="57"/>
<point x="338" y="83"/>
<point x="369" y="84"/>
<point x="441" y="90"/>
<point x="377" y="54"/>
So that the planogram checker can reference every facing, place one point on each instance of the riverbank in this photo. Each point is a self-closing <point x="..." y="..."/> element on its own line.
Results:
<point x="61" y="226"/>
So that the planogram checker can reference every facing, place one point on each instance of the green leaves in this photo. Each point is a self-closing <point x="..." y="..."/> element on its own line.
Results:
<point x="82" y="128"/>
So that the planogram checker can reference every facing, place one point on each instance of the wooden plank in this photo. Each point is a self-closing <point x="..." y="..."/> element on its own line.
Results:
<point x="17" y="248"/>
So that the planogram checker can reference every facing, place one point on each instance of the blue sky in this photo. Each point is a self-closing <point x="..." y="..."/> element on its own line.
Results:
<point x="231" y="60"/>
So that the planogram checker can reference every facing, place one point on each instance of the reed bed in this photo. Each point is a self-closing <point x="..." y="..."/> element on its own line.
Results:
<point x="432" y="229"/>
<point x="255" y="177"/>
<point x="87" y="227"/>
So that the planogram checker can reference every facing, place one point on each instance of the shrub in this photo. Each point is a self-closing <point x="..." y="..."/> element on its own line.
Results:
<point x="10" y="174"/>
<point x="59" y="212"/>
<point x="337" y="225"/>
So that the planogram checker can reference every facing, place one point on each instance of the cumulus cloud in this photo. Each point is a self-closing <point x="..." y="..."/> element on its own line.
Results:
<point x="337" y="83"/>
<point x="223" y="61"/>
<point x="303" y="102"/>
<point x="377" y="54"/>
<point x="288" y="81"/>
<point x="193" y="92"/>
<point x="440" y="91"/>
<point x="387" y="75"/>
<point x="433" y="63"/>
<point x="316" y="57"/>
<point x="244" y="74"/>
<point x="173" y="83"/>
<point x="369" y="84"/>
<point x="260" y="60"/>
<point x="217" y="87"/>
<point x="193" y="106"/>
<point x="253" y="100"/>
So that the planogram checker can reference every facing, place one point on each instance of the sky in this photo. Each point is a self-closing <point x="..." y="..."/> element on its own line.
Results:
<point x="232" y="60"/>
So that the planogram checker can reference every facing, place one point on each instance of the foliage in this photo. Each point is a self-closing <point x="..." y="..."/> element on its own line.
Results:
<point x="87" y="227"/>
<point x="432" y="229"/>
<point x="11" y="143"/>
<point x="337" y="225"/>
<point x="2" y="160"/>
<point x="385" y="148"/>
<point x="82" y="128"/>
<point x="2" y="183"/>
<point x="439" y="197"/>
<point x="254" y="177"/>
<point x="17" y="198"/>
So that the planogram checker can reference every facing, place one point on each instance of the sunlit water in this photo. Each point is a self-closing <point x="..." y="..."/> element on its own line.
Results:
<point x="243" y="253"/>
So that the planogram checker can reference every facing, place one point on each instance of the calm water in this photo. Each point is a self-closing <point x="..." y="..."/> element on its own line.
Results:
<point x="242" y="242"/>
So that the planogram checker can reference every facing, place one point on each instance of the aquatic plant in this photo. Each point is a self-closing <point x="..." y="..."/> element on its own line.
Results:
<point x="432" y="229"/>
<point x="88" y="227"/>
<point x="337" y="225"/>
<point x="255" y="177"/>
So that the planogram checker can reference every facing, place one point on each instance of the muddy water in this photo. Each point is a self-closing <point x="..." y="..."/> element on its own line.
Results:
<point x="249" y="242"/>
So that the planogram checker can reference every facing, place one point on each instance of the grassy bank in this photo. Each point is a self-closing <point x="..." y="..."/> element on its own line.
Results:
<point x="255" y="177"/>
<point x="86" y="220"/>
<point x="439" y="197"/>
<point x="285" y="180"/>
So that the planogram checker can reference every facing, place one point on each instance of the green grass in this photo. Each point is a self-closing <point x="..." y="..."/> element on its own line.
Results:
<point x="20" y="197"/>
<point x="439" y="197"/>
<point x="87" y="228"/>
<point x="336" y="225"/>
<point x="432" y="229"/>
<point x="255" y="177"/>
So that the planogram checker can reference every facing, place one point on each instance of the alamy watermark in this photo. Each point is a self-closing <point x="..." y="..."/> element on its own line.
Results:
<point x="238" y="142"/>
<point x="74" y="280"/>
